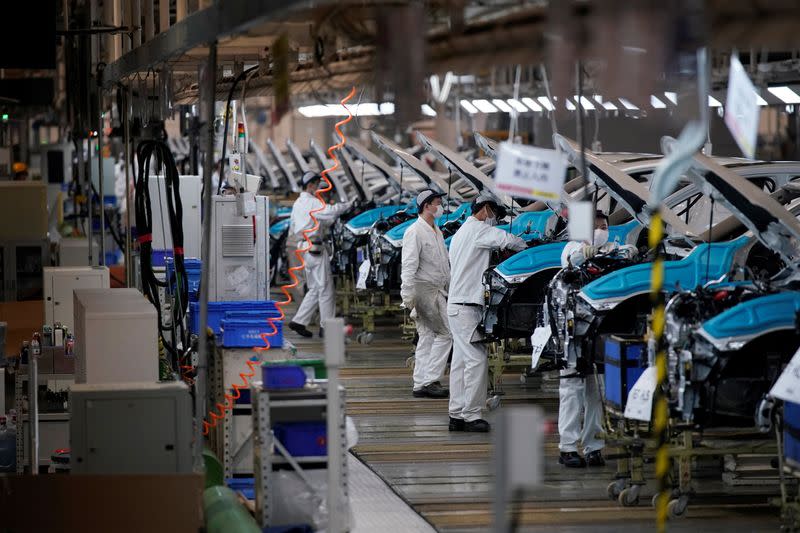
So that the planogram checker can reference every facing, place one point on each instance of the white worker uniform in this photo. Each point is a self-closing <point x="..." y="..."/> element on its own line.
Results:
<point x="470" y="251"/>
<point x="319" y="279"/>
<point x="577" y="394"/>
<point x="424" y="275"/>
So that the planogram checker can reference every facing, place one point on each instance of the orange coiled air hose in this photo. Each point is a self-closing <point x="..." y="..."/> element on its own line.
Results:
<point x="215" y="416"/>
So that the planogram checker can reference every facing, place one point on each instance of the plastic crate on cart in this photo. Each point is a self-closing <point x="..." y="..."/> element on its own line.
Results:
<point x="625" y="360"/>
<point x="246" y="333"/>
<point x="303" y="439"/>
<point x="218" y="310"/>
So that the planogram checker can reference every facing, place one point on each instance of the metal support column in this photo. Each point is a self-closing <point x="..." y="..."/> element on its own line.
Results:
<point x="126" y="141"/>
<point x="33" y="411"/>
<point x="101" y="189"/>
<point x="208" y="81"/>
<point x="334" y="359"/>
<point x="88" y="189"/>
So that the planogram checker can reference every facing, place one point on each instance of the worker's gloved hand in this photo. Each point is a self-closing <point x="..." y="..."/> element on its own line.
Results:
<point x="408" y="303"/>
<point x="589" y="251"/>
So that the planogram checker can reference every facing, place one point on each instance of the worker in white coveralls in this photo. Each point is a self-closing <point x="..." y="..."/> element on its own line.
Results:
<point x="576" y="394"/>
<point x="424" y="275"/>
<point x="470" y="252"/>
<point x="319" y="278"/>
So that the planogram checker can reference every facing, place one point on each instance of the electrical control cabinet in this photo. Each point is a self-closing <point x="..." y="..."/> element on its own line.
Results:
<point x="59" y="282"/>
<point x="239" y="255"/>
<point x="131" y="428"/>
<point x="190" y="189"/>
<point x="116" y="337"/>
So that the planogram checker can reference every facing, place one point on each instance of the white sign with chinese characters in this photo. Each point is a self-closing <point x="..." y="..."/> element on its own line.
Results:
<point x="639" y="405"/>
<point x="529" y="172"/>
<point x="742" y="109"/>
<point x="787" y="388"/>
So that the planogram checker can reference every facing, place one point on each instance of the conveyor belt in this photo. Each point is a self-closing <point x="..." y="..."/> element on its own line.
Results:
<point x="446" y="476"/>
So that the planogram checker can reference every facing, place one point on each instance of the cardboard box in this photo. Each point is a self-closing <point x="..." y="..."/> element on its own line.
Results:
<point x="23" y="201"/>
<point x="91" y="503"/>
<point x="23" y="319"/>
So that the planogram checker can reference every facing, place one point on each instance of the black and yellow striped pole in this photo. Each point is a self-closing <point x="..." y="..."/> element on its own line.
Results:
<point x="660" y="407"/>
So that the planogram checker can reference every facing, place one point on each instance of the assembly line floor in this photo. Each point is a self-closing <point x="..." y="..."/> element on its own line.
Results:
<point x="447" y="479"/>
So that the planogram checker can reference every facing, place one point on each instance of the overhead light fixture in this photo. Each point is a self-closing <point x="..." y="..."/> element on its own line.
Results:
<point x="546" y="103"/>
<point x="484" y="106"/>
<point x="628" y="105"/>
<point x="518" y="106"/>
<point x="713" y="102"/>
<point x="387" y="108"/>
<point x="468" y="107"/>
<point x="531" y="103"/>
<point x="760" y="100"/>
<point x="428" y="111"/>
<point x="606" y="105"/>
<point x="656" y="103"/>
<point x="672" y="97"/>
<point x="435" y="89"/>
<point x="502" y="105"/>
<point x="585" y="103"/>
<point x="570" y="105"/>
<point x="785" y="94"/>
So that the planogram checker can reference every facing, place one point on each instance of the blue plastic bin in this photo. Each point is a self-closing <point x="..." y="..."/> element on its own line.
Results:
<point x="283" y="377"/>
<point x="217" y="311"/>
<point x="193" y="272"/>
<point x="246" y="332"/>
<point x="303" y="439"/>
<point x="625" y="361"/>
<point x="245" y="485"/>
<point x="791" y="434"/>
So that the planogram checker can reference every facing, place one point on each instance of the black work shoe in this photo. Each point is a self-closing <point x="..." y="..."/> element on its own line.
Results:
<point x="571" y="460"/>
<point x="300" y="329"/>
<point x="435" y="390"/>
<point x="477" y="426"/>
<point x="456" y="424"/>
<point x="321" y="332"/>
<point x="595" y="458"/>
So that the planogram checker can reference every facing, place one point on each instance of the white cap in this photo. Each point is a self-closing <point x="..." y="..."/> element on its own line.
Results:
<point x="427" y="195"/>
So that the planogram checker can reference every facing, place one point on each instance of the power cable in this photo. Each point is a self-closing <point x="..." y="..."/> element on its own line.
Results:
<point x="236" y="81"/>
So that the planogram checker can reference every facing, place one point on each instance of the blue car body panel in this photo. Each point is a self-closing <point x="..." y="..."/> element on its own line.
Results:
<point x="538" y="224"/>
<point x="279" y="227"/>
<point x="397" y="232"/>
<point x="368" y="218"/>
<point x="756" y="316"/>
<point x="705" y="263"/>
<point x="548" y="255"/>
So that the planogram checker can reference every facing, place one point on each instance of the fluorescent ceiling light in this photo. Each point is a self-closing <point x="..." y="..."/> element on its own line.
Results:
<point x="546" y="103"/>
<point x="435" y="89"/>
<point x="760" y="100"/>
<point x="570" y="105"/>
<point x="366" y="109"/>
<point x="713" y="102"/>
<point x="629" y="106"/>
<point x="530" y="102"/>
<point x="785" y="94"/>
<point x="468" y="107"/>
<point x="502" y="105"/>
<point x="656" y="103"/>
<point x="428" y="110"/>
<point x="484" y="106"/>
<point x="606" y="105"/>
<point x="672" y="97"/>
<point x="518" y="106"/>
<point x="585" y="103"/>
<point x="387" y="108"/>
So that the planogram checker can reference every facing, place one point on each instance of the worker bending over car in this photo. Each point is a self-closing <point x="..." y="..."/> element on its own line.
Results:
<point x="470" y="252"/>
<point x="319" y="278"/>
<point x="424" y="276"/>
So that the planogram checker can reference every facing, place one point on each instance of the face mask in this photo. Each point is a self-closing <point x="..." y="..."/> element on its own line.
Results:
<point x="439" y="211"/>
<point x="600" y="237"/>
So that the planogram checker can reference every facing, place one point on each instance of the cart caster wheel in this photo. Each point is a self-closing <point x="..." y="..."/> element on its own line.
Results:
<point x="367" y="338"/>
<point x="410" y="362"/>
<point x="523" y="379"/>
<point x="677" y="508"/>
<point x="614" y="489"/>
<point x="629" y="497"/>
<point x="493" y="403"/>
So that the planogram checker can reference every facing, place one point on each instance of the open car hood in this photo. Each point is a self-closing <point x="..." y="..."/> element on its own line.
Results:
<point x="355" y="177"/>
<point x="490" y="146"/>
<point x="283" y="166"/>
<point x="361" y="152"/>
<point x="433" y="179"/>
<point x="462" y="167"/>
<point x="769" y="221"/>
<point x="631" y="194"/>
<point x="460" y="213"/>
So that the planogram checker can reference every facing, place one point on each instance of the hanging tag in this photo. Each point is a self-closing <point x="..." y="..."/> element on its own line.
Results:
<point x="580" y="221"/>
<point x="639" y="405"/>
<point x="741" y="109"/>
<point x="528" y="172"/>
<point x="787" y="388"/>
<point x="539" y="339"/>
